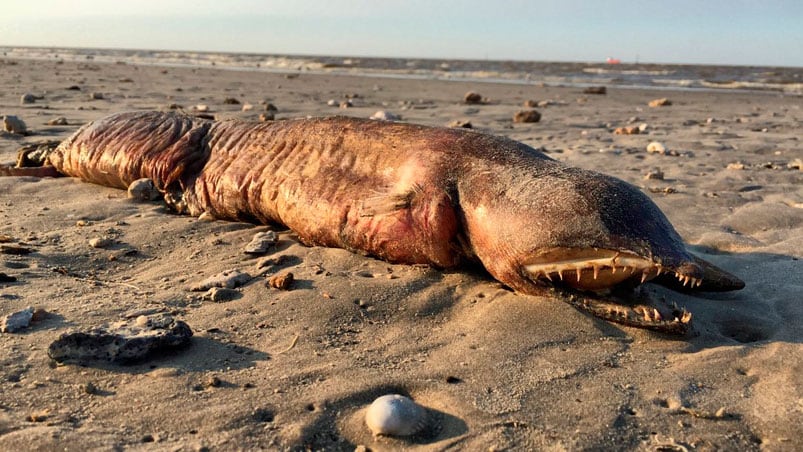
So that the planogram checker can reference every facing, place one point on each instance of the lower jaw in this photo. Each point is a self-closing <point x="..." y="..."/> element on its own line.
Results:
<point x="634" y="308"/>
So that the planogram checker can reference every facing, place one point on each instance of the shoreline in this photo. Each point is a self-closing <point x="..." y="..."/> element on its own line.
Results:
<point x="321" y="65"/>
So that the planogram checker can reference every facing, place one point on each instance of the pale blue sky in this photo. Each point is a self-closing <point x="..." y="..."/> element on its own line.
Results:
<point x="745" y="32"/>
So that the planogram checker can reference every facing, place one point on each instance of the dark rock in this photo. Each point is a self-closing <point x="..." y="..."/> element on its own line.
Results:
<point x="15" y="250"/>
<point x="27" y="98"/>
<point x="472" y="98"/>
<point x="122" y="342"/>
<point x="595" y="90"/>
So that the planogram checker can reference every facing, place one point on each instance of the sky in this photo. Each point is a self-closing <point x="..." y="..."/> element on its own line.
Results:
<point x="737" y="32"/>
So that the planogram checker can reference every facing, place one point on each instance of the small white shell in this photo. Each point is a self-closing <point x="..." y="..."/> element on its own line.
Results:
<point x="395" y="415"/>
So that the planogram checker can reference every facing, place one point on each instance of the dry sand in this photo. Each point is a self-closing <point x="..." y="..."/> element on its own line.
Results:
<point x="296" y="369"/>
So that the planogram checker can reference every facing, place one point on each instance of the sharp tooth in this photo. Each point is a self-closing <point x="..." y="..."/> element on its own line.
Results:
<point x="643" y="277"/>
<point x="686" y="280"/>
<point x="656" y="314"/>
<point x="560" y="273"/>
<point x="548" y="276"/>
<point x="613" y="269"/>
<point x="578" y="270"/>
<point x="659" y="269"/>
<point x="686" y="317"/>
<point x="596" y="271"/>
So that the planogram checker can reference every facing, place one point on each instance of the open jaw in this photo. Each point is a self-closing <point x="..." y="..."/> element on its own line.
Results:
<point x="598" y="281"/>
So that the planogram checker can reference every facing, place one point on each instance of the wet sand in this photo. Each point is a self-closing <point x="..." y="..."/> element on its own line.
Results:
<point x="296" y="369"/>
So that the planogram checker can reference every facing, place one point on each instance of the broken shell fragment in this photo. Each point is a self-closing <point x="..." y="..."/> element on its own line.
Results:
<point x="261" y="242"/>
<point x="143" y="190"/>
<point x="396" y="415"/>
<point x="16" y="321"/>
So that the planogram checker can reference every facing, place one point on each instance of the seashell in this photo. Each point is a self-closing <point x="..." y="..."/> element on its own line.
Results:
<point x="14" y="124"/>
<point x="384" y="115"/>
<point x="396" y="415"/>
<point x="656" y="148"/>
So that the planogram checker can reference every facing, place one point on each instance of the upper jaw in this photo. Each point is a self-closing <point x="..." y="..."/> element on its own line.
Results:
<point x="598" y="269"/>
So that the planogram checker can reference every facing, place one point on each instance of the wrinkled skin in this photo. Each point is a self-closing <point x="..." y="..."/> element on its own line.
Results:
<point x="408" y="194"/>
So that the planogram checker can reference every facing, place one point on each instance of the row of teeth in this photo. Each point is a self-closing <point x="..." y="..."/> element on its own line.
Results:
<point x="649" y="315"/>
<point x="686" y="280"/>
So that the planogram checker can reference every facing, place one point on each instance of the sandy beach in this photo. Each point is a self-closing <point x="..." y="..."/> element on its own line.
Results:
<point x="279" y="370"/>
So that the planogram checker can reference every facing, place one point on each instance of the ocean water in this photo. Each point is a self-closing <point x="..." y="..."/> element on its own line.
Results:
<point x="788" y="80"/>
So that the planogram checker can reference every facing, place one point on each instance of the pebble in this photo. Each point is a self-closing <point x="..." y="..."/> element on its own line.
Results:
<point x="735" y="166"/>
<point x="143" y="190"/>
<point x="628" y="130"/>
<point x="795" y="164"/>
<point x="384" y="115"/>
<point x="247" y="107"/>
<point x="281" y="281"/>
<point x="121" y="342"/>
<point x="100" y="242"/>
<point x="396" y="415"/>
<point x="96" y="96"/>
<point x="228" y="279"/>
<point x="220" y="294"/>
<point x="346" y="104"/>
<point x="16" y="321"/>
<point x="14" y="124"/>
<point x="656" y="148"/>
<point x="472" y="98"/>
<point x="202" y="108"/>
<point x="266" y="117"/>
<point x="655" y="173"/>
<point x="527" y="116"/>
<point x="60" y="121"/>
<point x="261" y="242"/>
<point x="231" y="101"/>
<point x="662" y="102"/>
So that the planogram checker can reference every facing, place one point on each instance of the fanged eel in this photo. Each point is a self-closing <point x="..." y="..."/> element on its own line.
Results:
<point x="409" y="194"/>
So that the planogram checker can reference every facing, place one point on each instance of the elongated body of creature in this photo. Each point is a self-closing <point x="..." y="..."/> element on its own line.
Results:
<point x="407" y="194"/>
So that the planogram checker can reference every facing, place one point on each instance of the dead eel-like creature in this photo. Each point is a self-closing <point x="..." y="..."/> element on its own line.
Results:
<point x="410" y="194"/>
